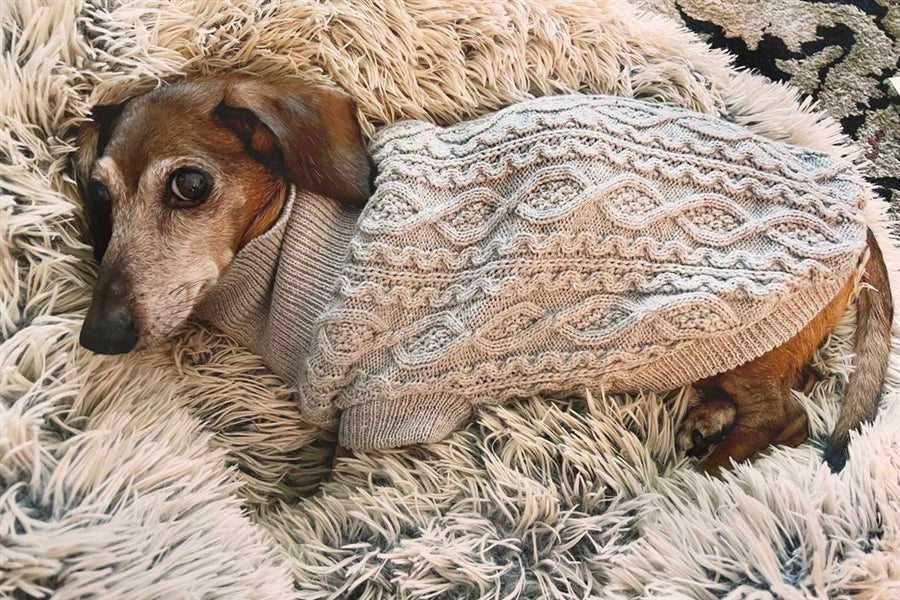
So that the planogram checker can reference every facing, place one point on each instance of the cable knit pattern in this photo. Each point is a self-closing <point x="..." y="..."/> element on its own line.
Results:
<point x="564" y="242"/>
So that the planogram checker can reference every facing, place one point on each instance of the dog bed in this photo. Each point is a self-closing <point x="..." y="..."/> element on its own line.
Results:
<point x="186" y="472"/>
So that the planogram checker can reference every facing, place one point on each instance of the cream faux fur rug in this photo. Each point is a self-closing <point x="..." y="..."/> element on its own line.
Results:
<point x="187" y="473"/>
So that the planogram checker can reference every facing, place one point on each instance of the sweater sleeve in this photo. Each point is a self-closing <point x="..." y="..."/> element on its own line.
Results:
<point x="391" y="423"/>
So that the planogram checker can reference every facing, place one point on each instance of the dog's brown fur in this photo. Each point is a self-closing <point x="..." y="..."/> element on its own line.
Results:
<point x="255" y="138"/>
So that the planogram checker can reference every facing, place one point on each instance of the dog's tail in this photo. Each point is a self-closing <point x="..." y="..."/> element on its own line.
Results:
<point x="875" y="311"/>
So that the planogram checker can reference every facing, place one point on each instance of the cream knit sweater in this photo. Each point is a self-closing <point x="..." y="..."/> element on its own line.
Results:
<point x="564" y="242"/>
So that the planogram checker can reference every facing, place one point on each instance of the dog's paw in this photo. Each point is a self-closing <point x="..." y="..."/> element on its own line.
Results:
<point x="705" y="425"/>
<point x="808" y="379"/>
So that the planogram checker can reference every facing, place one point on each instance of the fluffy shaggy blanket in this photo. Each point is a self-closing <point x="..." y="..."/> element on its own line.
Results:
<point x="187" y="472"/>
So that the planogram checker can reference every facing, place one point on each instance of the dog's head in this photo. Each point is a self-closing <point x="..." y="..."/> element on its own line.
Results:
<point x="176" y="181"/>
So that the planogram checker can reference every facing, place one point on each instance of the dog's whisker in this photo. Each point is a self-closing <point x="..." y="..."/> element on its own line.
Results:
<point x="179" y="288"/>
<point x="179" y="304"/>
<point x="187" y="303"/>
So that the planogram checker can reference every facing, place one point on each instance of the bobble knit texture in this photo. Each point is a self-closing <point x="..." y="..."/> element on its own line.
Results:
<point x="562" y="243"/>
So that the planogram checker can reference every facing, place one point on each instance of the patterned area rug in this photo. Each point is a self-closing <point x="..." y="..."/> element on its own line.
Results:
<point x="187" y="471"/>
<point x="840" y="52"/>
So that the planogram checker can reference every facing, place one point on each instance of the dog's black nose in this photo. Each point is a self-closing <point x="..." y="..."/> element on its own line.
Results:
<point x="109" y="327"/>
<point x="113" y="333"/>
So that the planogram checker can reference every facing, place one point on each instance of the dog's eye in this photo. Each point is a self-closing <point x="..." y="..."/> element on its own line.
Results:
<point x="98" y="191"/>
<point x="189" y="186"/>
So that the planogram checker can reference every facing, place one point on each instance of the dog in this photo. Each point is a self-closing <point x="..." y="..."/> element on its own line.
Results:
<point x="177" y="181"/>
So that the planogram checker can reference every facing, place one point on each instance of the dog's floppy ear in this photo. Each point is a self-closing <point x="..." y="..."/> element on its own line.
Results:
<point x="91" y="140"/>
<point x="310" y="132"/>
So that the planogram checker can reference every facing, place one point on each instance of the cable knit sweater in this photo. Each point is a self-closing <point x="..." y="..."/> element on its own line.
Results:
<point x="564" y="242"/>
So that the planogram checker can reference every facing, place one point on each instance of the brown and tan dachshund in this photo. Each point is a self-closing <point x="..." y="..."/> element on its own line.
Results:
<point x="178" y="180"/>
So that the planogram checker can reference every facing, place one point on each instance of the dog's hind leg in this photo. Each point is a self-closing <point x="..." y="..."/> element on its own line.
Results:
<point x="765" y="411"/>
<point x="764" y="415"/>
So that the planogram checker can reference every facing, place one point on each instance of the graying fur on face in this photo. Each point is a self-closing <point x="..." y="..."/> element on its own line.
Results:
<point x="169" y="256"/>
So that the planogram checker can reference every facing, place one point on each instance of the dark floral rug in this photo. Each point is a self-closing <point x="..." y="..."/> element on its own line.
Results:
<point x="842" y="53"/>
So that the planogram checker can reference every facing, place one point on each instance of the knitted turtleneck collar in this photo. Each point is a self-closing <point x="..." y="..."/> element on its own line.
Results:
<point x="318" y="231"/>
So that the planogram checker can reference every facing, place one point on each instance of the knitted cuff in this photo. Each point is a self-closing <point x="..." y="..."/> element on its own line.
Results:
<point x="379" y="424"/>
